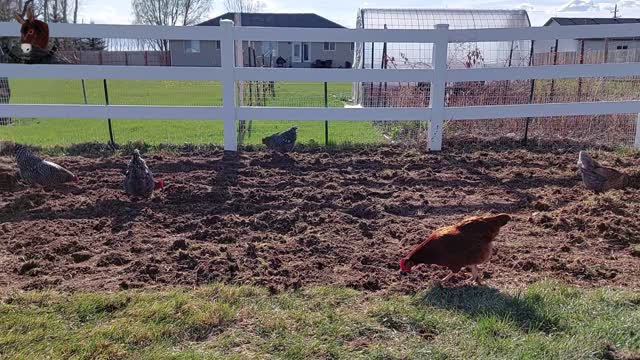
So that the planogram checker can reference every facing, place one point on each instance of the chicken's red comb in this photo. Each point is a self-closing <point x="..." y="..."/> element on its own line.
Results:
<point x="159" y="184"/>
<point x="403" y="267"/>
<point x="76" y="179"/>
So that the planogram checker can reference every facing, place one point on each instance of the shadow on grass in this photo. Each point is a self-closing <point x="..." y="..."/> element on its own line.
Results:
<point x="478" y="301"/>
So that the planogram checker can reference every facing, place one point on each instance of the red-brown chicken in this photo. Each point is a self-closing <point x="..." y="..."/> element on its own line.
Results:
<point x="467" y="243"/>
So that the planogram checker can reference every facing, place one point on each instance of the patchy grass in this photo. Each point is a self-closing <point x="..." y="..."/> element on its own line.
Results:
<point x="64" y="132"/>
<point x="547" y="320"/>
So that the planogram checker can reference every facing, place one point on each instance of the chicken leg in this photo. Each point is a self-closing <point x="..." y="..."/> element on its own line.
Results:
<point x="475" y="274"/>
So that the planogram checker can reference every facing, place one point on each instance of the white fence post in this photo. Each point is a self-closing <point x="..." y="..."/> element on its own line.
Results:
<point x="637" y="142"/>
<point x="438" y="84"/>
<point x="228" y="86"/>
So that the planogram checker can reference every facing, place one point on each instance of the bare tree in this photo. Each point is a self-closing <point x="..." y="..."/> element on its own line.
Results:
<point x="55" y="11"/>
<point x="244" y="6"/>
<point x="8" y="8"/>
<point x="169" y="13"/>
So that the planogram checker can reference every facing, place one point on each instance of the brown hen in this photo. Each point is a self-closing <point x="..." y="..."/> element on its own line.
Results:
<point x="467" y="243"/>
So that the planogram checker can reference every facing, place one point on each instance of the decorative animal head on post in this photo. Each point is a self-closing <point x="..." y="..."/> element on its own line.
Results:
<point x="34" y="33"/>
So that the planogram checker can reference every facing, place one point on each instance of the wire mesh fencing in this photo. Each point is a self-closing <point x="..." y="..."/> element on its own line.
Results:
<point x="51" y="132"/>
<point x="611" y="130"/>
<point x="305" y="94"/>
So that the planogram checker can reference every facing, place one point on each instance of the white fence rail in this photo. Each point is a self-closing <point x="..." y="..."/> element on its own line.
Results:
<point x="230" y="112"/>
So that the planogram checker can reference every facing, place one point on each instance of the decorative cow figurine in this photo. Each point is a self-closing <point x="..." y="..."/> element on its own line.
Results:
<point x="34" y="33"/>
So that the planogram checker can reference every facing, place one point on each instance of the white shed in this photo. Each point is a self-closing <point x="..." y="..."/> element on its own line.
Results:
<point x="590" y="45"/>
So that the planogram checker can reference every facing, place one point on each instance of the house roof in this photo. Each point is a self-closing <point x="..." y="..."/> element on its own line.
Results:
<point x="591" y="21"/>
<point x="301" y="20"/>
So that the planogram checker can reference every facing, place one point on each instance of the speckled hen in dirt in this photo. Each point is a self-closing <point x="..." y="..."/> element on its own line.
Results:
<point x="285" y="221"/>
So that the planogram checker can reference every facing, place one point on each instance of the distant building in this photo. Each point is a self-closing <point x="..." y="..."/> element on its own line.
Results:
<point x="267" y="53"/>
<point x="590" y="44"/>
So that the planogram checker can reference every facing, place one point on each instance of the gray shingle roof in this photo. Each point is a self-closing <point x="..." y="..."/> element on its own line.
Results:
<point x="591" y="21"/>
<point x="276" y="20"/>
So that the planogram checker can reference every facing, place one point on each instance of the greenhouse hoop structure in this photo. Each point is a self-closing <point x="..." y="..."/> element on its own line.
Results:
<point x="418" y="55"/>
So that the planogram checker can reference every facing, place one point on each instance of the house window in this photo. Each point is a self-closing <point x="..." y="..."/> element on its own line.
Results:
<point x="305" y="52"/>
<point x="622" y="47"/>
<point x="192" y="46"/>
<point x="217" y="44"/>
<point x="329" y="46"/>
<point x="353" y="46"/>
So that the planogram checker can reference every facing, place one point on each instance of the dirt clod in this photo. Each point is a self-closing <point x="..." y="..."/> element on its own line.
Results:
<point x="81" y="256"/>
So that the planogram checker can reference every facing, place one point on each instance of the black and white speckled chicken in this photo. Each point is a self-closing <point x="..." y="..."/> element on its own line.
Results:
<point x="599" y="178"/>
<point x="139" y="181"/>
<point x="35" y="171"/>
<point x="284" y="141"/>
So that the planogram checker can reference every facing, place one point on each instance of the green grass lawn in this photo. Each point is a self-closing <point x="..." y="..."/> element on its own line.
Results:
<point x="50" y="132"/>
<point x="546" y="321"/>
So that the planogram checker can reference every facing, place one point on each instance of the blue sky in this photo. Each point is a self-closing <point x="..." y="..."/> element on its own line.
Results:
<point x="344" y="11"/>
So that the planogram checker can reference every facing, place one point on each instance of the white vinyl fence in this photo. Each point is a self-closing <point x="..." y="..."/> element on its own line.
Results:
<point x="228" y="74"/>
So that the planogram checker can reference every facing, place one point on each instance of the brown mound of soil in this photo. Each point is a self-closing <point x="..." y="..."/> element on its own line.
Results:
<point x="317" y="218"/>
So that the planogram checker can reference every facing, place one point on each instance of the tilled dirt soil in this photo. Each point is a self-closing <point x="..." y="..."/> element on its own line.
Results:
<point x="345" y="217"/>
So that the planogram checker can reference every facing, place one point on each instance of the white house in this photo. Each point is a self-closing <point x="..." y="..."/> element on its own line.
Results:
<point x="590" y="44"/>
<point x="268" y="53"/>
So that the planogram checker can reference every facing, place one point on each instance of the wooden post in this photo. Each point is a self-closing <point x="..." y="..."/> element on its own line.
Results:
<point x="555" y="62"/>
<point x="434" y="141"/>
<point x="372" y="66"/>
<point x="581" y="62"/>
<point x="326" y="123"/>
<point x="228" y="86"/>
<point x="106" y="101"/>
<point x="531" y="93"/>
<point x="250" y="102"/>
<point x="84" y="92"/>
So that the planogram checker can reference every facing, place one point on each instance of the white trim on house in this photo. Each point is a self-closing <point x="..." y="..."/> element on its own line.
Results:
<point x="296" y="58"/>
<point x="303" y="57"/>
